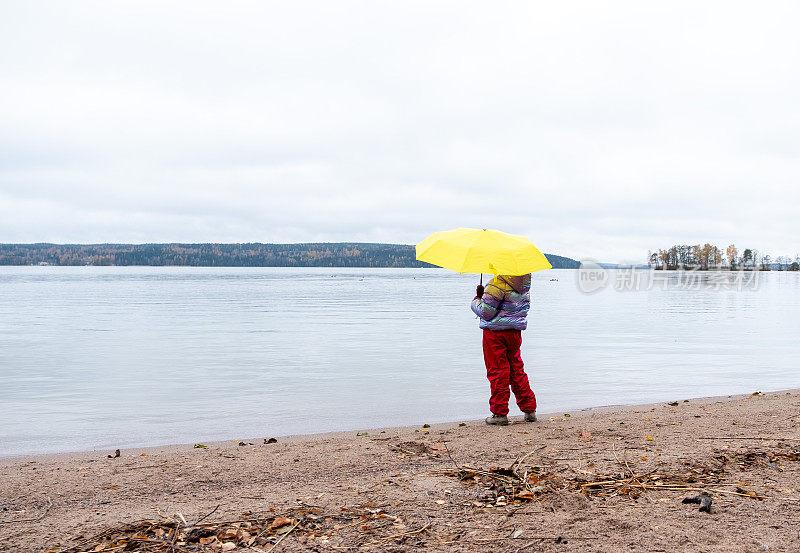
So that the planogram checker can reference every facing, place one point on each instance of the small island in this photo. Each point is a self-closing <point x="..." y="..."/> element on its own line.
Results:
<point x="709" y="257"/>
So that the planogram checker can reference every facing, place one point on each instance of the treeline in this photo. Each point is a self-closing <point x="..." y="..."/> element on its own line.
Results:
<point x="213" y="255"/>
<point x="708" y="257"/>
<point x="225" y="255"/>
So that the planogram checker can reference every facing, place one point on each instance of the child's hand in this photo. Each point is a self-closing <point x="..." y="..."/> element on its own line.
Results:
<point x="479" y="291"/>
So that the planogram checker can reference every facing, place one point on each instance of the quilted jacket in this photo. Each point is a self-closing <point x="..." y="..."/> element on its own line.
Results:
<point x="505" y="303"/>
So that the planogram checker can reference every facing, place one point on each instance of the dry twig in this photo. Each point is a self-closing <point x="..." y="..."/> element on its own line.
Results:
<point x="37" y="519"/>
<point x="776" y="438"/>
<point x="284" y="536"/>
<point x="402" y="534"/>
<point x="201" y="519"/>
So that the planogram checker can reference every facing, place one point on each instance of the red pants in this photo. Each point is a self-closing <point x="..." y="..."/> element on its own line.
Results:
<point x="504" y="367"/>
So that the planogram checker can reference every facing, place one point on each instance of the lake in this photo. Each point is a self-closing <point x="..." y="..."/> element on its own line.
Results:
<point x="118" y="357"/>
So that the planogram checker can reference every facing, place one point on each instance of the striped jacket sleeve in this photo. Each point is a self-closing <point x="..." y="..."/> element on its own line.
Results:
<point x="486" y="307"/>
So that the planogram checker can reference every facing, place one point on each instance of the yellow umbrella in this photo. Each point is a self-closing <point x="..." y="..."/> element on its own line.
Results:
<point x="467" y="250"/>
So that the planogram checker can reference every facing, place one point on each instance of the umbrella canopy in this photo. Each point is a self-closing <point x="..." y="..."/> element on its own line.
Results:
<point x="467" y="250"/>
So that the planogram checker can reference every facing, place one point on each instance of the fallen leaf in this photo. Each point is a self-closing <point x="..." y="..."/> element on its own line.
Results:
<point x="516" y="534"/>
<point x="462" y="424"/>
<point x="426" y="426"/>
<point x="279" y="522"/>
<point x="200" y="446"/>
<point x="644" y="458"/>
<point x="748" y="493"/>
<point x="566" y="414"/>
<point x="649" y="438"/>
<point x="144" y="454"/>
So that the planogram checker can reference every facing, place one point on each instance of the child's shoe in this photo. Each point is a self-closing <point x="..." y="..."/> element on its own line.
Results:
<point x="498" y="420"/>
<point x="530" y="417"/>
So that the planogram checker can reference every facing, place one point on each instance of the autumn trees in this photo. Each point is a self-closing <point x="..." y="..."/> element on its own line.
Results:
<point x="213" y="255"/>
<point x="732" y="254"/>
<point x="709" y="257"/>
<point x="322" y="254"/>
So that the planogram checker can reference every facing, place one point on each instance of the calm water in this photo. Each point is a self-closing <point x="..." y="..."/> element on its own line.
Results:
<point x="95" y="357"/>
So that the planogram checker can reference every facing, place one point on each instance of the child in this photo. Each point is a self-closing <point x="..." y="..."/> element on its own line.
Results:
<point x="503" y="307"/>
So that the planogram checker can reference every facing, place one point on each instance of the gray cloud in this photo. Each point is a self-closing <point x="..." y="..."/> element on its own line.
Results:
<point x="596" y="129"/>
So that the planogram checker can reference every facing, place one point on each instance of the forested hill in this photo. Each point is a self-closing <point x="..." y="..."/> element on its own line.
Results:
<point x="225" y="255"/>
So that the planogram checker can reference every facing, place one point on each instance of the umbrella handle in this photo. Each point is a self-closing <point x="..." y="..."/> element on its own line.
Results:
<point x="481" y="279"/>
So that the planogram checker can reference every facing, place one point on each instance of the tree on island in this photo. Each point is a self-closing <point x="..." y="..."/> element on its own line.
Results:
<point x="710" y="257"/>
<point x="732" y="254"/>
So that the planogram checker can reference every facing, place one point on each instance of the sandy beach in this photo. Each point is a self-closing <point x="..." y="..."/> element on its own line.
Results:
<point x="609" y="479"/>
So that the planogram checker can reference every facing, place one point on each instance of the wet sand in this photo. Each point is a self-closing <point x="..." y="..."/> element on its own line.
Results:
<point x="609" y="479"/>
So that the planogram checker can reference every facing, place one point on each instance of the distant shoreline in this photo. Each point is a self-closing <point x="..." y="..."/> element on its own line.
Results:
<point x="262" y="267"/>
<point x="255" y="254"/>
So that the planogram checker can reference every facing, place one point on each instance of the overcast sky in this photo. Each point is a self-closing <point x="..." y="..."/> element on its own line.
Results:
<point x="598" y="129"/>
